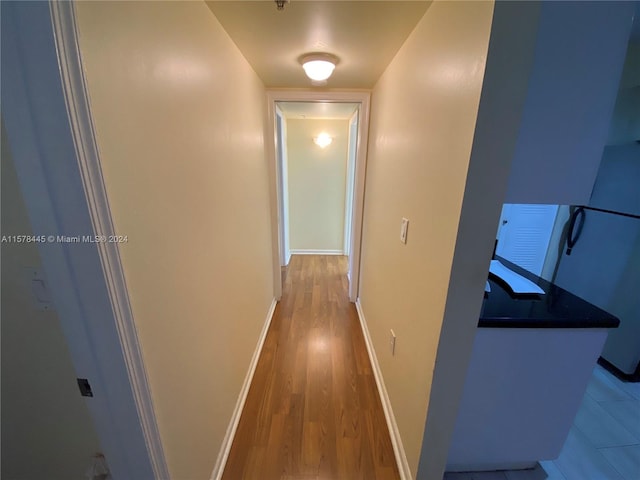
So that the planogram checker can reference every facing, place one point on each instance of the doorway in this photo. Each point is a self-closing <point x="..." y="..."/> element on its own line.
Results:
<point x="318" y="159"/>
<point x="316" y="152"/>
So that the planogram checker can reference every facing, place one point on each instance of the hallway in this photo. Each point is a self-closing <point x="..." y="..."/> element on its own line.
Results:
<point x="313" y="410"/>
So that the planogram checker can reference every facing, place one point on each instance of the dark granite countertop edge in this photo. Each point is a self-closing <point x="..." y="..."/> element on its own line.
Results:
<point x="605" y="321"/>
<point x="532" y="323"/>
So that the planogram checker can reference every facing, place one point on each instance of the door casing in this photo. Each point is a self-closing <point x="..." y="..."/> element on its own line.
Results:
<point x="361" y="97"/>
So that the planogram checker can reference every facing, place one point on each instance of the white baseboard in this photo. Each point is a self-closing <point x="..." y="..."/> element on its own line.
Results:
<point x="396" y="441"/>
<point x="221" y="461"/>
<point x="316" y="252"/>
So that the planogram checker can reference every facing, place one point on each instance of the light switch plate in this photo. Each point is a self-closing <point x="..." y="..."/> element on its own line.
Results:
<point x="392" y="342"/>
<point x="403" y="230"/>
<point x="38" y="288"/>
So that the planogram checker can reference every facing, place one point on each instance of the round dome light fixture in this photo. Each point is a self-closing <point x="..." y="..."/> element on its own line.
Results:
<point x="318" y="66"/>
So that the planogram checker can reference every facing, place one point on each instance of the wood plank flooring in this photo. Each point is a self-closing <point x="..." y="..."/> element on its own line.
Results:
<point x="313" y="410"/>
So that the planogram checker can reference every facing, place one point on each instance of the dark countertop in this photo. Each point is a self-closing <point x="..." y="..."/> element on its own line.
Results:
<point x="558" y="308"/>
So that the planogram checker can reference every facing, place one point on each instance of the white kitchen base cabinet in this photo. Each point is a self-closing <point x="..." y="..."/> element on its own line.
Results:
<point x="523" y="389"/>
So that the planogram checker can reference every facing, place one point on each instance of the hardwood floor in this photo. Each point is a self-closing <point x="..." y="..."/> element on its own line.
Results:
<point x="313" y="410"/>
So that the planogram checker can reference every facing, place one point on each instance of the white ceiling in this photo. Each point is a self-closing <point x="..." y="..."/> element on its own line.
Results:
<point x="365" y="35"/>
<point x="318" y="110"/>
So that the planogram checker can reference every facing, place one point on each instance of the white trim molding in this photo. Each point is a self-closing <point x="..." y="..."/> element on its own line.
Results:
<point x="283" y="186"/>
<point x="352" y="150"/>
<point x="223" y="454"/>
<point x="394" y="433"/>
<point x="316" y="252"/>
<point x="82" y="130"/>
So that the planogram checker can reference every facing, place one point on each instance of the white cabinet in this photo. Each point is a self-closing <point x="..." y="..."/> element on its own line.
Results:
<point x="521" y="394"/>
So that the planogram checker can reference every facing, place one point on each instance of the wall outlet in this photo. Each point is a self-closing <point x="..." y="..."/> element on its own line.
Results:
<point x="392" y="342"/>
<point x="403" y="230"/>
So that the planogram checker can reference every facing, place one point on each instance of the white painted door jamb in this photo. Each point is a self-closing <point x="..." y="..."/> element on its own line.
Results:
<point x="351" y="164"/>
<point x="283" y="188"/>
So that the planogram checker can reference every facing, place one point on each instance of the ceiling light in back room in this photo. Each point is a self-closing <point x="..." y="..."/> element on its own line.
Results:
<point x="323" y="140"/>
<point x="318" y="66"/>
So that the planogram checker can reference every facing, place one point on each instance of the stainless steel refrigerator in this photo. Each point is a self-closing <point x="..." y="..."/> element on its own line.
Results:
<point x="600" y="259"/>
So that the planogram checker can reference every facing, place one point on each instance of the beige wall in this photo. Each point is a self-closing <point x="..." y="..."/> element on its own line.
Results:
<point x="46" y="428"/>
<point x="179" y="117"/>
<point x="317" y="182"/>
<point x="423" y="117"/>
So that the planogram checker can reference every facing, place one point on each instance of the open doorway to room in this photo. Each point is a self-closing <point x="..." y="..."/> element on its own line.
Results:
<point x="316" y="155"/>
<point x="319" y="166"/>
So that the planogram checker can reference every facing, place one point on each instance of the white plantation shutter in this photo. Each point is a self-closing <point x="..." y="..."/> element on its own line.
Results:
<point x="524" y="233"/>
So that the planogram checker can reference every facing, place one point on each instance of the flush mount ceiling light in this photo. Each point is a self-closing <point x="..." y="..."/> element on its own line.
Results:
<point x="318" y="66"/>
<point x="323" y="140"/>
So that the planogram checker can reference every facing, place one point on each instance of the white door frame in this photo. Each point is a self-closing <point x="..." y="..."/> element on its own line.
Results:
<point x="283" y="187"/>
<point x="45" y="109"/>
<point x="351" y="169"/>
<point x="360" y="97"/>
